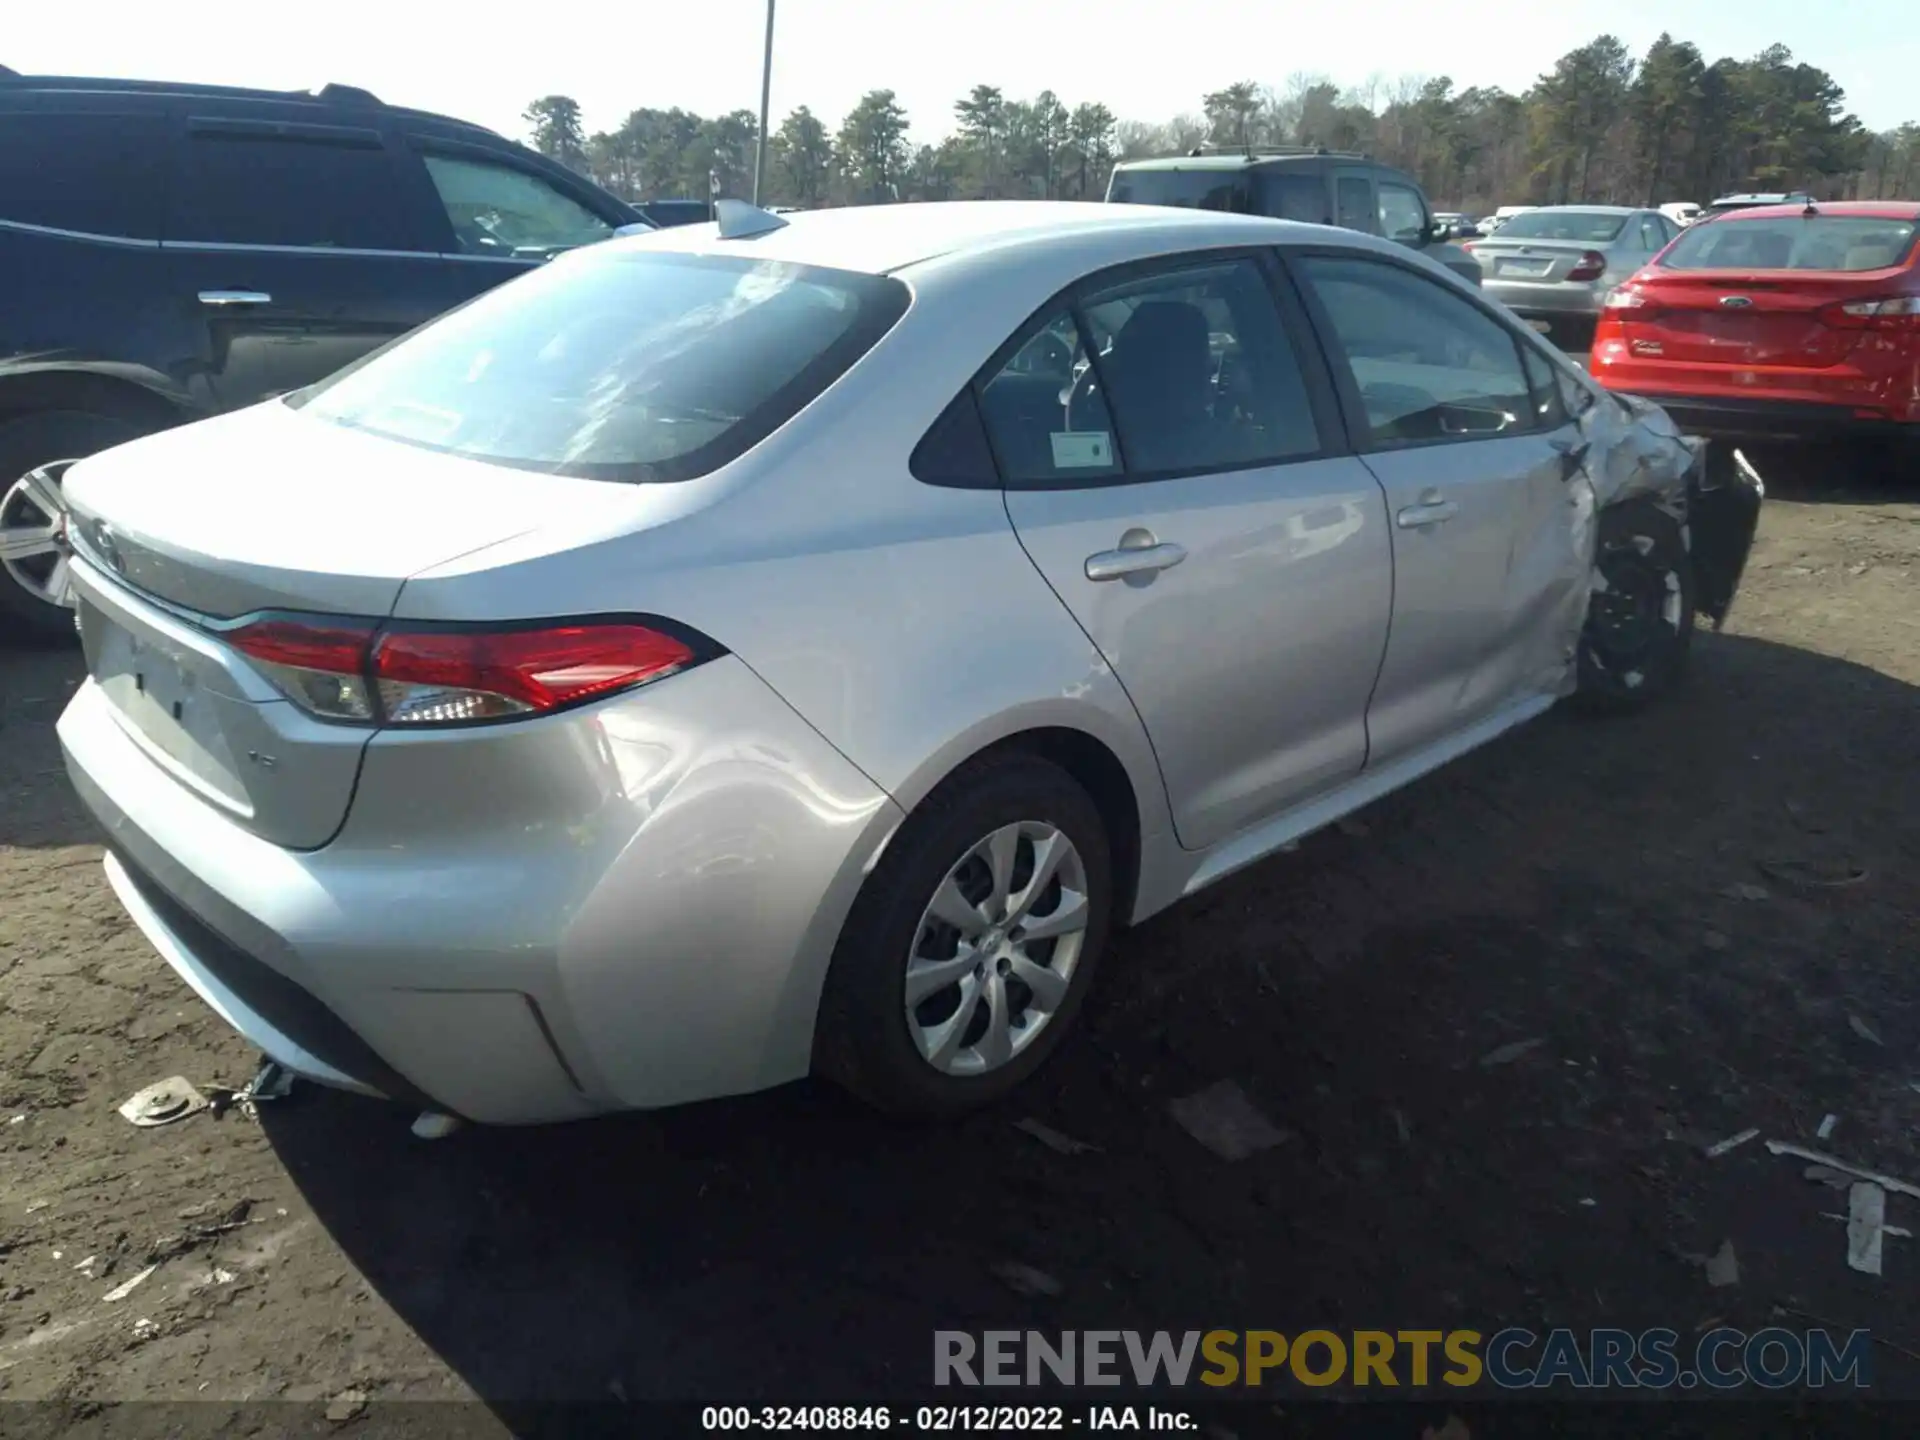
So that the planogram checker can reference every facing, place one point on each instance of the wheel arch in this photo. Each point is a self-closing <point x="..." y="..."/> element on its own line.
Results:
<point x="126" y="393"/>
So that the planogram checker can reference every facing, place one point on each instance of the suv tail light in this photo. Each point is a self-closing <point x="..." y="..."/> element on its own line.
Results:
<point x="1899" y="312"/>
<point x="1626" y="303"/>
<point x="355" y="671"/>
<point x="1590" y="266"/>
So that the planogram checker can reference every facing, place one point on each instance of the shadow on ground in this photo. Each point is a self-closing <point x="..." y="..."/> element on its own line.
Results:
<point x="1592" y="887"/>
<point x="36" y="800"/>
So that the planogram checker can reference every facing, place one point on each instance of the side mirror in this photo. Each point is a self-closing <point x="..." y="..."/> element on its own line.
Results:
<point x="1436" y="231"/>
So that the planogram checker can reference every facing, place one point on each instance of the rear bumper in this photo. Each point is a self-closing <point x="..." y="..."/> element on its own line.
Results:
<point x="625" y="906"/>
<point x="1566" y="301"/>
<point x="1731" y="418"/>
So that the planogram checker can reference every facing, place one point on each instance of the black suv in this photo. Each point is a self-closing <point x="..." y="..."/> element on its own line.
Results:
<point x="171" y="251"/>
<point x="1320" y="187"/>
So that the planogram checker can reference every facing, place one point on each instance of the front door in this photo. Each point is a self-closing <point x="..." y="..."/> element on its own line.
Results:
<point x="1474" y="453"/>
<point x="1173" y="473"/>
<point x="291" y="246"/>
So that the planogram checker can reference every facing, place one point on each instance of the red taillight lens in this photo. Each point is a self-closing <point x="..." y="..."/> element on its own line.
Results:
<point x="319" y="665"/>
<point x="1899" y="312"/>
<point x="437" y="677"/>
<point x="1590" y="266"/>
<point x="346" y="670"/>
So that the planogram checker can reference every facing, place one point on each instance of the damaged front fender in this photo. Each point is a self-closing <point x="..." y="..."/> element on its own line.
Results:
<point x="1634" y="451"/>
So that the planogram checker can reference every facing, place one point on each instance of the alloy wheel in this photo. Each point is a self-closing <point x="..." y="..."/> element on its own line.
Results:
<point x="994" y="953"/>
<point x="33" y="534"/>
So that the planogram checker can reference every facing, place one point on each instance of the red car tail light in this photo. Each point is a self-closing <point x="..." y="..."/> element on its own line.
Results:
<point x="1898" y="312"/>
<point x="354" y="671"/>
<point x="446" y="677"/>
<point x="1626" y="303"/>
<point x="1590" y="266"/>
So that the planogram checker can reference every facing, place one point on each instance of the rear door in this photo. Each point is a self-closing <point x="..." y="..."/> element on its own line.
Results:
<point x="290" y="246"/>
<point x="1473" y="453"/>
<point x="1175" y="468"/>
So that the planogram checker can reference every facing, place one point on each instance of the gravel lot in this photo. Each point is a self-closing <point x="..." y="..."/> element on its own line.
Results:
<point x="1651" y="900"/>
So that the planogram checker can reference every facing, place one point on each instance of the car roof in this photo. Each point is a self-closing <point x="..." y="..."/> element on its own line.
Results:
<point x="331" y="98"/>
<point x="881" y="239"/>
<point x="1247" y="159"/>
<point x="1863" y="209"/>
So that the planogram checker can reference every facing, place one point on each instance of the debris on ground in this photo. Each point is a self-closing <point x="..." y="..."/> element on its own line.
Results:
<point x="1400" y="1124"/>
<point x="163" y="1103"/>
<point x="234" y="1217"/>
<point x="1507" y="1054"/>
<point x="1885" y="1182"/>
<point x="126" y="1288"/>
<point x="1732" y="1142"/>
<point x="1722" y="1267"/>
<point x="1053" y="1139"/>
<point x="1827" y="1175"/>
<point x="1025" y="1280"/>
<point x="1863" y="1030"/>
<point x="1223" y="1119"/>
<point x="347" y="1405"/>
<point x="144" y="1329"/>
<point x="617" y="1390"/>
<point x="1826" y="1127"/>
<point x="1866" y="1227"/>
<point x="431" y="1125"/>
<point x="1813" y="875"/>
<point x="1745" y="890"/>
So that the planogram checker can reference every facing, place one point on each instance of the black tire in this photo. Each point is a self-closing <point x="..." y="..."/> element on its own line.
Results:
<point x="862" y="1041"/>
<point x="25" y="443"/>
<point x="1633" y="649"/>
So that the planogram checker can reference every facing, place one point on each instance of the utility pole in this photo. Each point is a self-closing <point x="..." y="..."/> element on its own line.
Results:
<point x="766" y="94"/>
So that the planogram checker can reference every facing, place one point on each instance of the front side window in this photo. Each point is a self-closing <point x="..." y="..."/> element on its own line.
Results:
<point x="333" y="190"/>
<point x="1402" y="216"/>
<point x="618" y="366"/>
<point x="1428" y="364"/>
<point x="1198" y="372"/>
<point x="498" y="210"/>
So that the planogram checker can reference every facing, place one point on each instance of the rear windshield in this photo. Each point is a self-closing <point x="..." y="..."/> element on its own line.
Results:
<point x="1584" y="226"/>
<point x="633" y="366"/>
<point x="1813" y="242"/>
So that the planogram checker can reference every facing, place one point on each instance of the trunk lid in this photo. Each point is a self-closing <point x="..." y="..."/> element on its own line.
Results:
<point x="1541" y="262"/>
<point x="1748" y="318"/>
<point x="268" y="509"/>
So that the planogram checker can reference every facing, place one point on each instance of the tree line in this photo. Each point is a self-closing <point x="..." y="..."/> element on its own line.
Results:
<point x="1601" y="127"/>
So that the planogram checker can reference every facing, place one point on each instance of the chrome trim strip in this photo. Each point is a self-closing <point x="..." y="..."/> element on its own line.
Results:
<point x="58" y="234"/>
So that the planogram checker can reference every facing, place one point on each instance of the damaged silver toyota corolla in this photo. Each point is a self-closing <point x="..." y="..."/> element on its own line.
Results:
<point x="796" y="643"/>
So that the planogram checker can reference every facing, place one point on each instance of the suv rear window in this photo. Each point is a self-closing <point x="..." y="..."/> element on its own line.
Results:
<point x="98" y="174"/>
<point x="638" y="367"/>
<point x="1814" y="242"/>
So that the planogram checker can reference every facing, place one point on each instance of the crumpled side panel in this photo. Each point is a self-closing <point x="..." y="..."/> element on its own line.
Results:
<point x="1635" y="450"/>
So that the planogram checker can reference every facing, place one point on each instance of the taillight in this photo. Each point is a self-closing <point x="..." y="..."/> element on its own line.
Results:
<point x="356" y="671"/>
<point x="1900" y="312"/>
<point x="1626" y="303"/>
<point x="1590" y="266"/>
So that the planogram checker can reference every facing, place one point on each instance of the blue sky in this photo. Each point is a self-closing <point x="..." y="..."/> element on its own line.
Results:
<point x="1147" y="59"/>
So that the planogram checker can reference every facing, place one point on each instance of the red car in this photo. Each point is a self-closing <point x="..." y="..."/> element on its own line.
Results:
<point x="1785" y="321"/>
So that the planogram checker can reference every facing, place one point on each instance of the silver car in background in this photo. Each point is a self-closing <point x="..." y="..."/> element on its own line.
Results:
<point x="795" y="644"/>
<point x="1554" y="266"/>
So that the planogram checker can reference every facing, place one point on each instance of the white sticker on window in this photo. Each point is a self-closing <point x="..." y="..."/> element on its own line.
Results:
<point x="1082" y="449"/>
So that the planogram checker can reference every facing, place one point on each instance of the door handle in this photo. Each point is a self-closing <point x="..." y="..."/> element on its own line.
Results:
<point x="1431" y="512"/>
<point x="1134" y="560"/>
<point x="235" y="297"/>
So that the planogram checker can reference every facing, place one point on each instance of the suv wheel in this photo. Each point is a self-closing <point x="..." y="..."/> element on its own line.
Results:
<point x="34" y="450"/>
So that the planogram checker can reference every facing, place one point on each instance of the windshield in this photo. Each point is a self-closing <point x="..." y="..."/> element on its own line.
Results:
<point x="627" y="366"/>
<point x="1814" y="242"/>
<point x="1589" y="227"/>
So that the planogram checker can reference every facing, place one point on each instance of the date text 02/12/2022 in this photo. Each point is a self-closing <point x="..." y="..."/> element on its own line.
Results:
<point x="945" y="1419"/>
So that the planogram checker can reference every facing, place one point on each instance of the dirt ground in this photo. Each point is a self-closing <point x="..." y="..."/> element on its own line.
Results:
<point x="1651" y="900"/>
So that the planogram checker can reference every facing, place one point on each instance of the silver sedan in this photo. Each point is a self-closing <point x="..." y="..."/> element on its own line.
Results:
<point x="797" y="643"/>
<point x="1554" y="266"/>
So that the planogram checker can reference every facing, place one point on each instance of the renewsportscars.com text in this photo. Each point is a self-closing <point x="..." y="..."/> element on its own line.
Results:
<point x="1508" y="1359"/>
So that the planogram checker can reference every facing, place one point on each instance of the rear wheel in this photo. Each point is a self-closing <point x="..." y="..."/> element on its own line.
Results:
<point x="973" y="943"/>
<point x="34" y="452"/>
<point x="1639" y="628"/>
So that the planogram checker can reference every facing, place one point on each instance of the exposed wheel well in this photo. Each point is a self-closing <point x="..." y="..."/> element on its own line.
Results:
<point x="1100" y="773"/>
<point x="42" y="390"/>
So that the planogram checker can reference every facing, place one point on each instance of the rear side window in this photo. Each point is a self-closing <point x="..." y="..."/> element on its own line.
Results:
<point x="497" y="210"/>
<point x="1045" y="412"/>
<point x="637" y="367"/>
<point x="1293" y="196"/>
<point x="98" y="174"/>
<point x="1208" y="189"/>
<point x="1817" y="242"/>
<point x="1353" y="200"/>
<point x="333" y="188"/>
<point x="1429" y="364"/>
